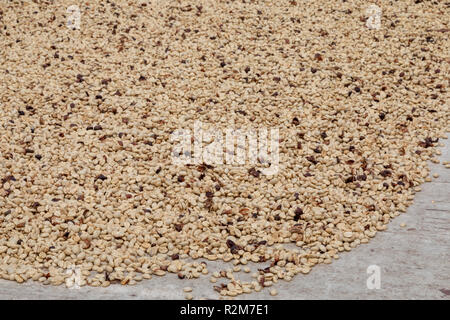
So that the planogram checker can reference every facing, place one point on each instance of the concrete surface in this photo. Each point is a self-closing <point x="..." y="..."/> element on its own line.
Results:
<point x="413" y="262"/>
